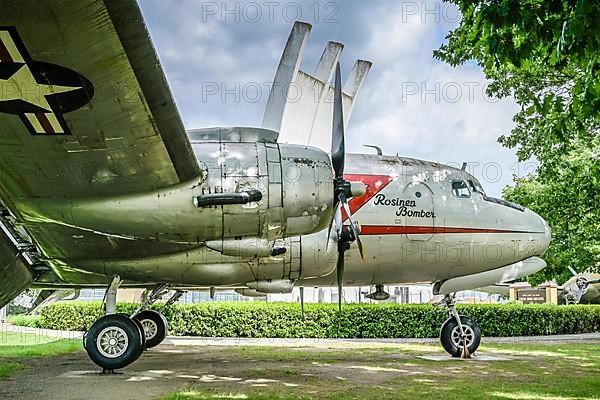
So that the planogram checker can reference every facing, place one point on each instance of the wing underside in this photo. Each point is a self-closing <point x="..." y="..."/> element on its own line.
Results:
<point x="85" y="109"/>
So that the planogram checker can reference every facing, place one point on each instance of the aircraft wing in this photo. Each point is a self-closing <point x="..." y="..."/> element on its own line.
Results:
<point x="85" y="109"/>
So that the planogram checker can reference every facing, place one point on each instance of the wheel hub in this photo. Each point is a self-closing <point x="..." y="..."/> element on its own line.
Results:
<point x="112" y="342"/>
<point x="457" y="339"/>
<point x="150" y="328"/>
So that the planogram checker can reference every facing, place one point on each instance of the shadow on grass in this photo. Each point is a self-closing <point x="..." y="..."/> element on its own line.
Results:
<point x="22" y="346"/>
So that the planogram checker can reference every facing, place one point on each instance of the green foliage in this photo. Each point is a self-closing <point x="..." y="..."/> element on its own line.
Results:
<point x="16" y="306"/>
<point x="283" y="320"/>
<point x="32" y="321"/>
<point x="16" y="309"/>
<point x="570" y="203"/>
<point x="76" y="315"/>
<point x="546" y="54"/>
<point x="28" y="345"/>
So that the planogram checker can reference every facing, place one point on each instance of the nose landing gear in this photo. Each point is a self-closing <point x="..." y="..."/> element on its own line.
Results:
<point x="460" y="336"/>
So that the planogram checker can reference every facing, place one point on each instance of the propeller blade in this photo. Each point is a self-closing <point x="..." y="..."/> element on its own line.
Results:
<point x="361" y="249"/>
<point x="353" y="226"/>
<point x="572" y="271"/>
<point x="580" y="294"/>
<point x="340" y="274"/>
<point x="302" y="300"/>
<point x="338" y="146"/>
<point x="337" y="216"/>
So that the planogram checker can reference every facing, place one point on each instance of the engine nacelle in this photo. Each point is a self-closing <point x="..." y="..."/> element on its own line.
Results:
<point x="250" y="187"/>
<point x="276" y="286"/>
<point x="295" y="182"/>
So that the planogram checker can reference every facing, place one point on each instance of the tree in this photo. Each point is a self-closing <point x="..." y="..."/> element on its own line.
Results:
<point x="570" y="204"/>
<point x="546" y="54"/>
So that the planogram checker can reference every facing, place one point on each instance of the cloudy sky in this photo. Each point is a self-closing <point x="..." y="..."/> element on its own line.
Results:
<point x="410" y="104"/>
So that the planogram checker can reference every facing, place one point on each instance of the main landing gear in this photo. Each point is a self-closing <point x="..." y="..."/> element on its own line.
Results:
<point x="460" y="336"/>
<point x="154" y="326"/>
<point x="116" y="340"/>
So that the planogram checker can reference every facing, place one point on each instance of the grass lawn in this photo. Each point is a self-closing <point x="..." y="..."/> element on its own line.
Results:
<point x="556" y="371"/>
<point x="17" y="346"/>
<point x="7" y="369"/>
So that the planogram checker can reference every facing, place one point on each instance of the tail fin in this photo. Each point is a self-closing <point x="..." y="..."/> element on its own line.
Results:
<point x="300" y="106"/>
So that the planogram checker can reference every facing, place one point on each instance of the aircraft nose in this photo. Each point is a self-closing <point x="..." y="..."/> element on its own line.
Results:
<point x="545" y="233"/>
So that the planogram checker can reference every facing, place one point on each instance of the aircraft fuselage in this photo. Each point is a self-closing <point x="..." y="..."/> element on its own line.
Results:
<point x="420" y="222"/>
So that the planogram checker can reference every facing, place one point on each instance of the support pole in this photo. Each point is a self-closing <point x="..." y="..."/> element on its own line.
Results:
<point x="302" y="300"/>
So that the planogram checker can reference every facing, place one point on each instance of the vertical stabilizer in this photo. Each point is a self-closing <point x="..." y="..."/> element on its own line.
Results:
<point x="300" y="107"/>
<point x="286" y="74"/>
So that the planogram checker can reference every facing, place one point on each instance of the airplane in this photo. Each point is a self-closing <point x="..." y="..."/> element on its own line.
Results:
<point x="583" y="288"/>
<point x="102" y="187"/>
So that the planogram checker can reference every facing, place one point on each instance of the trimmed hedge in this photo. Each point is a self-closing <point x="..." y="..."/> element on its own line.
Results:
<point x="283" y="320"/>
<point x="32" y="321"/>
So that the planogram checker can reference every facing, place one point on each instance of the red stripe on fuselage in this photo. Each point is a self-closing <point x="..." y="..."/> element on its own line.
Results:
<point x="427" y="230"/>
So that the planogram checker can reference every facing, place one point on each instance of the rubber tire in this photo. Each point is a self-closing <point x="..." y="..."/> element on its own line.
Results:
<point x="161" y="324"/>
<point x="134" y="337"/>
<point x="139" y="326"/>
<point x="141" y="330"/>
<point x="446" y="336"/>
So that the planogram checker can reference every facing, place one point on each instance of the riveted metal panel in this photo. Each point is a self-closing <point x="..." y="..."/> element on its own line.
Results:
<point x="275" y="181"/>
<point x="294" y="263"/>
<point x="239" y="159"/>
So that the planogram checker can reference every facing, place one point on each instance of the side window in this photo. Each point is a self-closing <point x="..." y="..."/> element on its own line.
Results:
<point x="476" y="187"/>
<point x="472" y="186"/>
<point x="460" y="189"/>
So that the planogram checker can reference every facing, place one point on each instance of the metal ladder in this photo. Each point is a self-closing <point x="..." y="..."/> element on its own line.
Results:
<point x="21" y="240"/>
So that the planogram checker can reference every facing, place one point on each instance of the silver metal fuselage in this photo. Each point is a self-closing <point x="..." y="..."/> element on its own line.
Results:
<point x="414" y="227"/>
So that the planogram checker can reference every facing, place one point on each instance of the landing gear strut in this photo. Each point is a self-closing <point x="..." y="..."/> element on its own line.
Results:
<point x="154" y="324"/>
<point x="460" y="336"/>
<point x="115" y="340"/>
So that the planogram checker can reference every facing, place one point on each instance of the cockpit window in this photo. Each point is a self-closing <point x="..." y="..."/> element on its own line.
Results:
<point x="476" y="187"/>
<point x="460" y="189"/>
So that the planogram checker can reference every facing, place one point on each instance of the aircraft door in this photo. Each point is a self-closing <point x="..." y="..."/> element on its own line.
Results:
<point x="417" y="212"/>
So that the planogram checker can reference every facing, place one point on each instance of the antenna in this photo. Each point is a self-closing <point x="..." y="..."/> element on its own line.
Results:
<point x="379" y="152"/>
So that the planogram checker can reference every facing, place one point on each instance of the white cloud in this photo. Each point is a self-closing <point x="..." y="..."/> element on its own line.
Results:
<point x="431" y="123"/>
